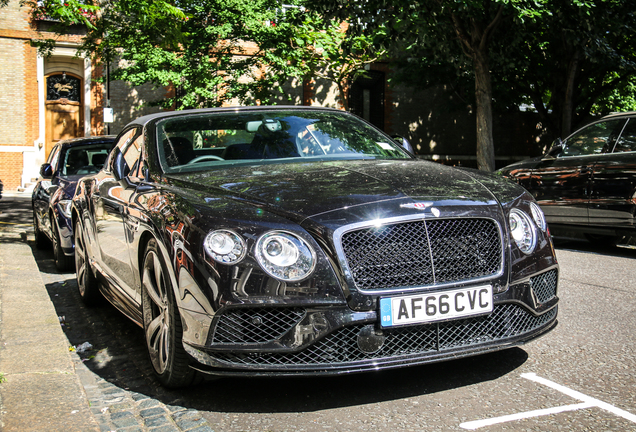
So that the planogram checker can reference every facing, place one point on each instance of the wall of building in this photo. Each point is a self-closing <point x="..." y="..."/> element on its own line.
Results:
<point x="130" y="102"/>
<point x="442" y="128"/>
<point x="19" y="98"/>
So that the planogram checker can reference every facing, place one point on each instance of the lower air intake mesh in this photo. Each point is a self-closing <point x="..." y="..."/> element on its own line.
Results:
<point x="506" y="321"/>
<point x="545" y="285"/>
<point x="256" y="325"/>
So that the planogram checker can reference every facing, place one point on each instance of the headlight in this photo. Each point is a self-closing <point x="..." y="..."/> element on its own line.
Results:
<point x="284" y="256"/>
<point x="522" y="231"/>
<point x="538" y="216"/>
<point x="225" y="246"/>
<point x="65" y="207"/>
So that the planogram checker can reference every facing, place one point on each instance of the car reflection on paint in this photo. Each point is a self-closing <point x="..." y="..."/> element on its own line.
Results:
<point x="587" y="182"/>
<point x="279" y="241"/>
<point x="68" y="161"/>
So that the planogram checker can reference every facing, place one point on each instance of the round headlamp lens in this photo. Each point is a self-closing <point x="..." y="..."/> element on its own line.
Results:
<point x="284" y="256"/>
<point x="522" y="231"/>
<point x="225" y="246"/>
<point x="280" y="251"/>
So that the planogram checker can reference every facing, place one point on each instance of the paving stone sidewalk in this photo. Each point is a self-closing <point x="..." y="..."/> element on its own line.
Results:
<point x="44" y="385"/>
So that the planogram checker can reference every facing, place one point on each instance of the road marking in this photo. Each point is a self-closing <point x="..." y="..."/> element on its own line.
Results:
<point x="472" y="425"/>
<point x="587" y="402"/>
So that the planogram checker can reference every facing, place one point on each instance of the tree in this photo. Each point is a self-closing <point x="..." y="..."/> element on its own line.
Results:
<point x="576" y="61"/>
<point x="569" y="59"/>
<point x="330" y="53"/>
<point x="209" y="51"/>
<point x="456" y="32"/>
<point x="212" y="51"/>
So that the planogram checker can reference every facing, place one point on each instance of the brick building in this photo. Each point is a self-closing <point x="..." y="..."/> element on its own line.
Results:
<point x="44" y="100"/>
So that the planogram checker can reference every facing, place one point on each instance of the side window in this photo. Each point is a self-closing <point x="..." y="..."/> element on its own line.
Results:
<point x="627" y="141"/>
<point x="54" y="158"/>
<point x="595" y="139"/>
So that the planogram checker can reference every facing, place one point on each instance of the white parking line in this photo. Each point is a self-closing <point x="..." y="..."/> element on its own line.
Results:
<point x="587" y="402"/>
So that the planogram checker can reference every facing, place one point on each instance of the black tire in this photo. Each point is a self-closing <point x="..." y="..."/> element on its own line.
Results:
<point x="41" y="241"/>
<point x="86" y="281"/>
<point x="162" y="323"/>
<point x="62" y="262"/>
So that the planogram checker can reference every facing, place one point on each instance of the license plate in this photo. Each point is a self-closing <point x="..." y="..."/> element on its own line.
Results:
<point x="435" y="306"/>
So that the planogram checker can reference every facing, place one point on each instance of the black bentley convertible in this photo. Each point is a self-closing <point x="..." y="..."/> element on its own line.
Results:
<point x="300" y="241"/>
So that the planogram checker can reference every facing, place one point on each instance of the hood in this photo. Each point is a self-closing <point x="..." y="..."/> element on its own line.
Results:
<point x="307" y="190"/>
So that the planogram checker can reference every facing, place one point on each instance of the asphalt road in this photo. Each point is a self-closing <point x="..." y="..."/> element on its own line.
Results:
<point x="579" y="377"/>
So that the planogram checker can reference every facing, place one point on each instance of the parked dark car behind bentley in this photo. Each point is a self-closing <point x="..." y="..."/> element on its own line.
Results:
<point x="587" y="182"/>
<point x="68" y="161"/>
<point x="297" y="240"/>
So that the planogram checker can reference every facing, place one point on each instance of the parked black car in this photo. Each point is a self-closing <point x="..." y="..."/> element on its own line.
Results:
<point x="300" y="240"/>
<point x="587" y="182"/>
<point x="68" y="161"/>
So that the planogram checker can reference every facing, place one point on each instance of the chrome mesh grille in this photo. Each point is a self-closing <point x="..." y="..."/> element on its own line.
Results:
<point x="506" y="321"/>
<point x="421" y="253"/>
<point x="256" y="325"/>
<point x="545" y="285"/>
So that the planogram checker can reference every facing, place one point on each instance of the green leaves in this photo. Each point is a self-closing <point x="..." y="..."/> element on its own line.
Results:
<point x="65" y="12"/>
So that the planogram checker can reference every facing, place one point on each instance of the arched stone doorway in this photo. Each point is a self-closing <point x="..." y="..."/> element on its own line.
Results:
<point x="63" y="108"/>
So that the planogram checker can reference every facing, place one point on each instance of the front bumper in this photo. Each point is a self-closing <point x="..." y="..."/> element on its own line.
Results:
<point x="271" y="341"/>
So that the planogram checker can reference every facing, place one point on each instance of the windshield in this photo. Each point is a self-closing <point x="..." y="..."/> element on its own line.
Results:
<point x="210" y="140"/>
<point x="85" y="159"/>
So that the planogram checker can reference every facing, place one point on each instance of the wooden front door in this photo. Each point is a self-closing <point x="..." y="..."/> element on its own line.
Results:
<point x="63" y="117"/>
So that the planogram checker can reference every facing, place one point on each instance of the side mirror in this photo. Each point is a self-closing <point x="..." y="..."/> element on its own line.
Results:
<point x="120" y="167"/>
<point x="404" y="143"/>
<point x="46" y="171"/>
<point x="555" y="150"/>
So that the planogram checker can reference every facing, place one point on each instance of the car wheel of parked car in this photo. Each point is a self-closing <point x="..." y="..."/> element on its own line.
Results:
<point x="86" y="280"/>
<point x="62" y="262"/>
<point x="162" y="323"/>
<point x="41" y="241"/>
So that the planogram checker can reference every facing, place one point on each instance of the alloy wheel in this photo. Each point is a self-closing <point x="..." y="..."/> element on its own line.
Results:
<point x="156" y="312"/>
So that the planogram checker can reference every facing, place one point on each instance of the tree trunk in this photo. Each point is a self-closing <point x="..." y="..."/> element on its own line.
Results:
<point x="568" y="100"/>
<point x="483" y="96"/>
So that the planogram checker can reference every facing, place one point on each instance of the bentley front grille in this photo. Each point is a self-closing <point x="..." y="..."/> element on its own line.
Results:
<point x="507" y="321"/>
<point x="420" y="253"/>
<point x="257" y="325"/>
